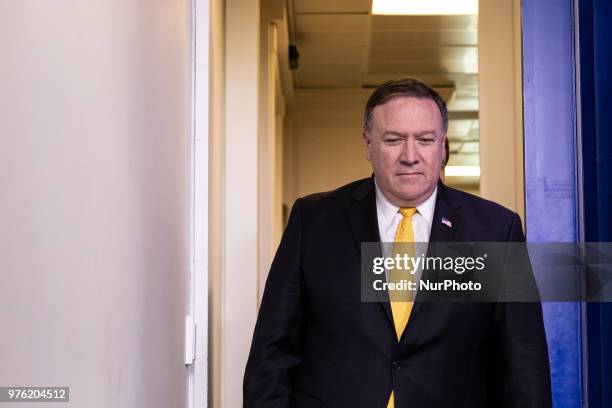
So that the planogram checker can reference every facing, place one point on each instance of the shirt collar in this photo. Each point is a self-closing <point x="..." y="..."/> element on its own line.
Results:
<point x="387" y="211"/>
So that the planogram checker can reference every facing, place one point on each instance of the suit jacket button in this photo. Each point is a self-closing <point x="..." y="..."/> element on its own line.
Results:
<point x="396" y="365"/>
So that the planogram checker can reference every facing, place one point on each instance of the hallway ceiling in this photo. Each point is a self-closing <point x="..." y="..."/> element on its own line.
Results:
<point x="342" y="46"/>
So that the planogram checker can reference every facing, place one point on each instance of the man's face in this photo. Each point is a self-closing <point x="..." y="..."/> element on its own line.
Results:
<point x="406" y="147"/>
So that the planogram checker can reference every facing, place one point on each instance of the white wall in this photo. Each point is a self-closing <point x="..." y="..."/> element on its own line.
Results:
<point x="239" y="262"/>
<point x="270" y="107"/>
<point x="325" y="144"/>
<point x="94" y="177"/>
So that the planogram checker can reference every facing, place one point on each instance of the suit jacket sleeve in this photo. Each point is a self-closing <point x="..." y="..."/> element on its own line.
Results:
<point x="277" y="340"/>
<point x="521" y="373"/>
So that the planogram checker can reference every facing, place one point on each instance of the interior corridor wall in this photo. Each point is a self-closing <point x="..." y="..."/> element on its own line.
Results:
<point x="326" y="148"/>
<point x="94" y="215"/>
<point x="500" y="103"/>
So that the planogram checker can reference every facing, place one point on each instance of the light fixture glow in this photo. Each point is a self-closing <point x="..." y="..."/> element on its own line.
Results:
<point x="462" y="171"/>
<point x="424" y="7"/>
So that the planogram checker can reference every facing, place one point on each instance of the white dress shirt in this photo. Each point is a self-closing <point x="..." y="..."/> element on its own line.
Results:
<point x="389" y="218"/>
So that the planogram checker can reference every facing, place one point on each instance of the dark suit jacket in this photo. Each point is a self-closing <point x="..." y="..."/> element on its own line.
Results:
<point x="317" y="345"/>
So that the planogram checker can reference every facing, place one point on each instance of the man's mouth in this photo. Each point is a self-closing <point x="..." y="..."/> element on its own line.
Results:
<point x="409" y="174"/>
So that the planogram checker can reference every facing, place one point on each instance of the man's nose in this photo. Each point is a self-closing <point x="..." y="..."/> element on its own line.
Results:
<point x="409" y="154"/>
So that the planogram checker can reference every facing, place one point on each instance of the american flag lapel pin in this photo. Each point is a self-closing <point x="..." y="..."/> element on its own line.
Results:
<point x="446" y="222"/>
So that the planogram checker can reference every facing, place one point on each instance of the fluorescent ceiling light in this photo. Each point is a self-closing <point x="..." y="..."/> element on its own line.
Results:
<point x="424" y="7"/>
<point x="462" y="171"/>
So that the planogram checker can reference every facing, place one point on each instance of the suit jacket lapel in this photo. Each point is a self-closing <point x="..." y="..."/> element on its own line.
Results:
<point x="446" y="210"/>
<point x="447" y="222"/>
<point x="363" y="219"/>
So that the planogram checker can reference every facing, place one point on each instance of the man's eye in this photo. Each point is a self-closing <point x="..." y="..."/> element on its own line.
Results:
<point x="392" y="141"/>
<point x="426" y="140"/>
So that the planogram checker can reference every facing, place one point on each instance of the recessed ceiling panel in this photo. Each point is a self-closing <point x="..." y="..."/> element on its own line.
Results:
<point x="324" y="67"/>
<point x="306" y="23"/>
<point x="331" y="40"/>
<point x="330" y="76"/>
<point x="425" y="66"/>
<point x="332" y="6"/>
<point x="424" y="38"/>
<point x="428" y="53"/>
<point x="411" y="23"/>
<point x="309" y="53"/>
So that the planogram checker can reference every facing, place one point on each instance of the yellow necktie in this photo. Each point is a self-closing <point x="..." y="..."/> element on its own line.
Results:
<point x="401" y="309"/>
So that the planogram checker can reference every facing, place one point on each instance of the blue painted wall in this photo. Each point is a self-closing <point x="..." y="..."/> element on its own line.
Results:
<point x="550" y="170"/>
<point x="568" y="121"/>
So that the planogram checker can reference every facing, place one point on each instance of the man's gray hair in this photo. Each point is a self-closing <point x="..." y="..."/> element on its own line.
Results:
<point x="409" y="87"/>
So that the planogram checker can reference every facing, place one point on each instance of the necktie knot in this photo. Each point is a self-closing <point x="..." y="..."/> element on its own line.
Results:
<point x="407" y="212"/>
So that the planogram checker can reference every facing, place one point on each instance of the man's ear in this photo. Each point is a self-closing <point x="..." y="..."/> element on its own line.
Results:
<point x="367" y="142"/>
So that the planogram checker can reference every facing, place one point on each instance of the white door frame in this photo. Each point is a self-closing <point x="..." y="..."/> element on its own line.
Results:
<point x="196" y="331"/>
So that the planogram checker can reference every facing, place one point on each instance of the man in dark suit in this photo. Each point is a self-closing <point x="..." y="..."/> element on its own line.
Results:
<point x="316" y="344"/>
